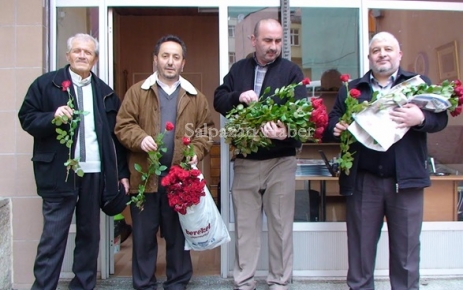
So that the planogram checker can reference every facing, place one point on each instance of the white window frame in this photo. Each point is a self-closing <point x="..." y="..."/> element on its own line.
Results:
<point x="294" y="35"/>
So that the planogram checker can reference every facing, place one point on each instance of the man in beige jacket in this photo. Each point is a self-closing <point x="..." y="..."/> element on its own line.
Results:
<point x="148" y="105"/>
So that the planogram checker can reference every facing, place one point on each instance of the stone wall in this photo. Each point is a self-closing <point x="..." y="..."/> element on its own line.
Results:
<point x="5" y="244"/>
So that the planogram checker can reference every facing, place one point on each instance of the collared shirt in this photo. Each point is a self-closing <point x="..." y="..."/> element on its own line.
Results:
<point x="92" y="162"/>
<point x="377" y="87"/>
<point x="78" y="80"/>
<point x="168" y="89"/>
<point x="259" y="74"/>
<point x="153" y="79"/>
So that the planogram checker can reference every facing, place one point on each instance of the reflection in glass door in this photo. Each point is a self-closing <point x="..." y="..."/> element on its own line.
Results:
<point x="72" y="20"/>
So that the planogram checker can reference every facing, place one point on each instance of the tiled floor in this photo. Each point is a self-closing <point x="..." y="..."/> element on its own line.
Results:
<point x="205" y="263"/>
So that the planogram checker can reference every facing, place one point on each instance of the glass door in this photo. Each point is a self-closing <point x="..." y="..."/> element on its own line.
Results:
<point x="68" y="18"/>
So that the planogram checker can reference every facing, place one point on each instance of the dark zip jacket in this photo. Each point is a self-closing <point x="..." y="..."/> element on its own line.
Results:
<point x="44" y="96"/>
<point x="410" y="152"/>
<point x="240" y="78"/>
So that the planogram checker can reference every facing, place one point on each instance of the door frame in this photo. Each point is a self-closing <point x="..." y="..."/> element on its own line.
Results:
<point x="105" y="72"/>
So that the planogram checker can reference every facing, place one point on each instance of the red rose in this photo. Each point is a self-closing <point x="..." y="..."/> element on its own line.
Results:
<point x="354" y="93"/>
<point x="458" y="91"/>
<point x="457" y="83"/>
<point x="195" y="172"/>
<point x="345" y="78"/>
<point x="456" y="112"/>
<point x="318" y="134"/>
<point x="319" y="117"/>
<point x="306" y="81"/>
<point x="460" y="101"/>
<point x="66" y="84"/>
<point x="169" y="126"/>
<point x="316" y="102"/>
<point x="186" y="141"/>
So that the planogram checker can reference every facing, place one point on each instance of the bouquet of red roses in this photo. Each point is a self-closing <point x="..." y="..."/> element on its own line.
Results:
<point x="188" y="195"/>
<point x="184" y="184"/>
<point x="305" y="119"/>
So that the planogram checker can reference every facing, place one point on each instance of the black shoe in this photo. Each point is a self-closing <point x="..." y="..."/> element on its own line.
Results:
<point x="122" y="229"/>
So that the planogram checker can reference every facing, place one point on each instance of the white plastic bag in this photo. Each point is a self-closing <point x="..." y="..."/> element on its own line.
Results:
<point x="203" y="226"/>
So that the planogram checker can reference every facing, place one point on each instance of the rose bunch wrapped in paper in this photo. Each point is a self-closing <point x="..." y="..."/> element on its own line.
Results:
<point x="305" y="119"/>
<point x="370" y="124"/>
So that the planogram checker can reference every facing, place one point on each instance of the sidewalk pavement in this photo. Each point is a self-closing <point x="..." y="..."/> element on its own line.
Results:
<point x="219" y="283"/>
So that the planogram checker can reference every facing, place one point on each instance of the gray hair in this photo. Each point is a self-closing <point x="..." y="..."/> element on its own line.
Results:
<point x="86" y="37"/>
<point x="384" y="35"/>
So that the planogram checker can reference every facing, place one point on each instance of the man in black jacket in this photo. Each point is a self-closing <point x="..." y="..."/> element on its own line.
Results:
<point x="386" y="184"/>
<point x="92" y="149"/>
<point x="265" y="179"/>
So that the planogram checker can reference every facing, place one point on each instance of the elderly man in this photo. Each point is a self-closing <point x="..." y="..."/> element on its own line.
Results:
<point x="386" y="184"/>
<point x="96" y="160"/>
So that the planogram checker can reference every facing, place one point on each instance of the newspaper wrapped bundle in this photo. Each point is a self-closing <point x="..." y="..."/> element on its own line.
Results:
<point x="373" y="126"/>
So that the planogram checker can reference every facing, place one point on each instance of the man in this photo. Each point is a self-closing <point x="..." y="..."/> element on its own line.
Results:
<point x="265" y="179"/>
<point x="164" y="97"/>
<point x="92" y="145"/>
<point x="386" y="184"/>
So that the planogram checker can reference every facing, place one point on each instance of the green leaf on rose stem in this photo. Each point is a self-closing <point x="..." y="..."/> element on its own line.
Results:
<point x="163" y="149"/>
<point x="137" y="167"/>
<point x="80" y="172"/>
<point x="69" y="143"/>
<point x="158" y="172"/>
<point x="266" y="91"/>
<point x="151" y="170"/>
<point x="162" y="167"/>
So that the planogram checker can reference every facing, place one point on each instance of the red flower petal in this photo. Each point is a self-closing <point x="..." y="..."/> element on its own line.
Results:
<point x="65" y="85"/>
<point x="169" y="126"/>
<point x="345" y="78"/>
<point x="306" y="81"/>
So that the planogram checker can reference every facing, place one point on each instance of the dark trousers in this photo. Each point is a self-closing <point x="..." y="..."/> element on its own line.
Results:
<point x="57" y="218"/>
<point x="375" y="198"/>
<point x="145" y="224"/>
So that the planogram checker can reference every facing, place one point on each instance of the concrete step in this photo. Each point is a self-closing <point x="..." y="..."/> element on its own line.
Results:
<point x="219" y="283"/>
